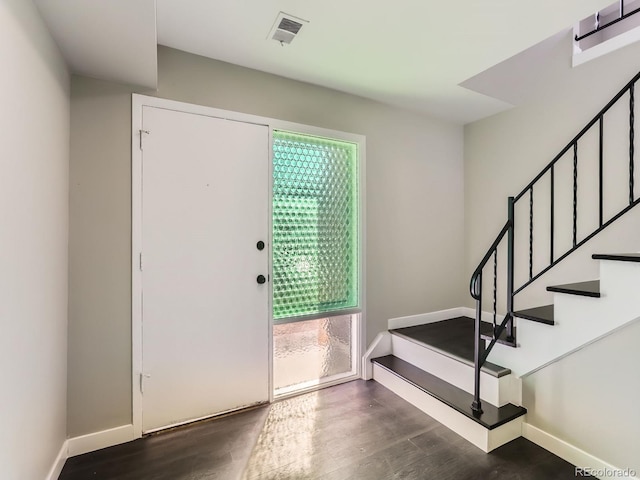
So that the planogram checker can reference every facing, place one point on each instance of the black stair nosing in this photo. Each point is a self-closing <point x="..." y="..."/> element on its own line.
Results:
<point x="621" y="257"/>
<point x="456" y="398"/>
<point x="543" y="314"/>
<point x="488" y="367"/>
<point x="590" y="288"/>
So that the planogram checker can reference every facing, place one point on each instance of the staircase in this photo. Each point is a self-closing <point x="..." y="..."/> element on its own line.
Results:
<point x="439" y="361"/>
<point x="431" y="366"/>
<point x="581" y="313"/>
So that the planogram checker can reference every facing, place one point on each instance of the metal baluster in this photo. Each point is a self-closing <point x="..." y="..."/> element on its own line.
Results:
<point x="495" y="289"/>
<point x="552" y="218"/>
<point x="631" y="138"/>
<point x="510" y="204"/>
<point x="476" y="406"/>
<point x="600" y="166"/>
<point x="575" y="193"/>
<point x="531" y="232"/>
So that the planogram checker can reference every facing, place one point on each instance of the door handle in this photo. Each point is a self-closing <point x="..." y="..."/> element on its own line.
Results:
<point x="261" y="279"/>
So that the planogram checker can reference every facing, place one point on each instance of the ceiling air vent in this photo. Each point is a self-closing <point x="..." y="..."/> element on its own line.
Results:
<point x="286" y="27"/>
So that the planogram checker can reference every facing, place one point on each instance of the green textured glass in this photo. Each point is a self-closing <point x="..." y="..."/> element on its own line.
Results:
<point x="315" y="225"/>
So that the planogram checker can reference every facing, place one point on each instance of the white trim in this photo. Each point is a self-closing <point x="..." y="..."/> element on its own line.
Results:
<point x="608" y="46"/>
<point x="481" y="437"/>
<point x="362" y="247"/>
<point x="380" y="347"/>
<point x="486" y="316"/>
<point x="422" y="318"/>
<point x="439" y="315"/>
<point x="570" y="453"/>
<point x="137" y="103"/>
<point x="270" y="267"/>
<point x="59" y="462"/>
<point x="99" y="440"/>
<point x="324" y="383"/>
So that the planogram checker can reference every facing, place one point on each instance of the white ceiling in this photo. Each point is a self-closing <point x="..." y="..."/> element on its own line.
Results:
<point x="112" y="40"/>
<point x="409" y="53"/>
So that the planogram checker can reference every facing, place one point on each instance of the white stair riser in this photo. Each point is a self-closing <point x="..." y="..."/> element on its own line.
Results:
<point x="579" y="320"/>
<point x="475" y="433"/>
<point x="496" y="391"/>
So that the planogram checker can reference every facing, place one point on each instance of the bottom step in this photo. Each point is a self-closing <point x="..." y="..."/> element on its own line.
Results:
<point x="449" y="405"/>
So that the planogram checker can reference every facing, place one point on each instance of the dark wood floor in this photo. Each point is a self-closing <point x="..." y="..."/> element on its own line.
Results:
<point x="358" y="430"/>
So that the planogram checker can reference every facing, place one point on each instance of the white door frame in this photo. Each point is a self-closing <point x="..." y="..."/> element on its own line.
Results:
<point x="137" y="139"/>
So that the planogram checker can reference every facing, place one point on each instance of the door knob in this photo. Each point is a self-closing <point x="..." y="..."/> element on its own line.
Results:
<point x="260" y="245"/>
<point x="261" y="279"/>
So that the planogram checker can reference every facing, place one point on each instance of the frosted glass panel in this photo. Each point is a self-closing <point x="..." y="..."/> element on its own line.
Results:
<point x="306" y="352"/>
<point x="315" y="225"/>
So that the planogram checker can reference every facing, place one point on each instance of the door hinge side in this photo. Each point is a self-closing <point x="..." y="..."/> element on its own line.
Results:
<point x="140" y="261"/>
<point x="142" y="377"/>
<point x="141" y="133"/>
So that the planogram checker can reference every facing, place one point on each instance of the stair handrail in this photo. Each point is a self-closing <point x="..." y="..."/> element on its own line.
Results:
<point x="475" y="288"/>
<point x="598" y="27"/>
<point x="549" y="168"/>
<point x="475" y="285"/>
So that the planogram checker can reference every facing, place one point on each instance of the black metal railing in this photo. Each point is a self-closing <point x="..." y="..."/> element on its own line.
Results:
<point x="475" y="287"/>
<point x="599" y="27"/>
<point x="507" y="326"/>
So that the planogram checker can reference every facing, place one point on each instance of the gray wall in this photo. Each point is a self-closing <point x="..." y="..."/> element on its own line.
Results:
<point x="34" y="156"/>
<point x="585" y="398"/>
<point x="415" y="220"/>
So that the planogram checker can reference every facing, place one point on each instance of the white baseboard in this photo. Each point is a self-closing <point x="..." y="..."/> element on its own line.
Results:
<point x="486" y="316"/>
<point x="380" y="346"/>
<point x="572" y="454"/>
<point x="58" y="464"/>
<point x="423" y="318"/>
<point x="99" y="440"/>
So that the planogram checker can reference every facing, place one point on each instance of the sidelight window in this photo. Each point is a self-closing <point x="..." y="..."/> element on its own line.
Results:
<point x="315" y="226"/>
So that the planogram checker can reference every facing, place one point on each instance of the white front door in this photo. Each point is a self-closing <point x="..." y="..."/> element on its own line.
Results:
<point x="205" y="207"/>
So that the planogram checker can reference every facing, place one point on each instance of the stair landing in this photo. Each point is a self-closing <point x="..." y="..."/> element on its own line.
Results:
<point x="453" y="338"/>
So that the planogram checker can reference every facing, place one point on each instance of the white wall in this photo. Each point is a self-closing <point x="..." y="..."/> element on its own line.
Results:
<point x="589" y="399"/>
<point x="585" y="399"/>
<point x="414" y="211"/>
<point x="504" y="152"/>
<point x="34" y="153"/>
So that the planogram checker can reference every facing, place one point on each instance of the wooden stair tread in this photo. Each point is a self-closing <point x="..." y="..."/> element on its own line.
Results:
<point x="590" y="288"/>
<point x="622" y="257"/>
<point x="453" y="338"/>
<point x="542" y="314"/>
<point x="488" y="336"/>
<point x="450" y="395"/>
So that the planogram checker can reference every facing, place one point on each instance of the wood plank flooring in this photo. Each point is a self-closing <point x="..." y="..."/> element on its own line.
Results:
<point x="358" y="430"/>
